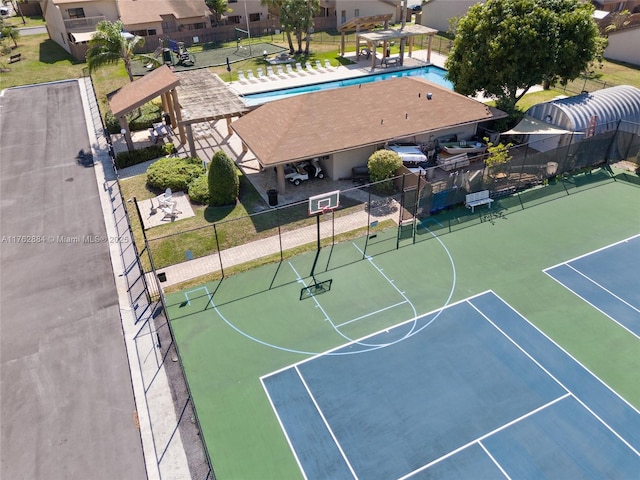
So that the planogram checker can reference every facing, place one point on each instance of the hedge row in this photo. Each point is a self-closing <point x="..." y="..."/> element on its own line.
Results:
<point x="127" y="159"/>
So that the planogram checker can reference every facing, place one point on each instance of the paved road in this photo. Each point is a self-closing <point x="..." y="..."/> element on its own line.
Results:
<point x="25" y="31"/>
<point x="67" y="408"/>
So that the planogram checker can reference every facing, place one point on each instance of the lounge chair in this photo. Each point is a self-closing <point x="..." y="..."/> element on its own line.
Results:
<point x="261" y="74"/>
<point x="327" y="65"/>
<point x="166" y="198"/>
<point x="309" y="68"/>
<point x="290" y="70"/>
<point x="241" y="77"/>
<point x="299" y="70"/>
<point x="279" y="70"/>
<point x="170" y="211"/>
<point x="319" y="66"/>
<point x="251" y="77"/>
<point x="270" y="73"/>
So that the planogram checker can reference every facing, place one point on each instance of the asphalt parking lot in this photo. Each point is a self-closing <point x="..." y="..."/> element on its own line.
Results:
<point x="67" y="406"/>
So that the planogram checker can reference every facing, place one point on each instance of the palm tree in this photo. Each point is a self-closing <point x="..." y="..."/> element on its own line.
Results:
<point x="277" y="6"/>
<point x="313" y="6"/>
<point x="108" y="45"/>
<point x="218" y="7"/>
<point x="9" y="31"/>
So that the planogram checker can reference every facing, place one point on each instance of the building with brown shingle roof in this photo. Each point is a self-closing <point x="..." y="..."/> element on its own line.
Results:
<point x="344" y="126"/>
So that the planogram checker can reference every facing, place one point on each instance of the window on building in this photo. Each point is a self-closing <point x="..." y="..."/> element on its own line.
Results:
<point x="232" y="1"/>
<point x="356" y="12"/>
<point x="343" y="16"/>
<point x="75" y="12"/>
<point x="254" y="17"/>
<point x="152" y="31"/>
<point x="234" y="19"/>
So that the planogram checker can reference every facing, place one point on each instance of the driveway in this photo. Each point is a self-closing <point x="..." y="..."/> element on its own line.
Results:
<point x="67" y="408"/>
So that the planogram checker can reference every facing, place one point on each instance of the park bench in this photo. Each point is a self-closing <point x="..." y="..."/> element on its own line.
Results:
<point x="15" y="57"/>
<point x="388" y="61"/>
<point x="472" y="200"/>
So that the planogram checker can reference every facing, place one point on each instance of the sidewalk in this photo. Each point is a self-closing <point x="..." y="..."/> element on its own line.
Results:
<point x="191" y="269"/>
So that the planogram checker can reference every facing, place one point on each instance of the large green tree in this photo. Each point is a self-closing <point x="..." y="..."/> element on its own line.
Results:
<point x="108" y="45"/>
<point x="504" y="47"/>
<point x="224" y="184"/>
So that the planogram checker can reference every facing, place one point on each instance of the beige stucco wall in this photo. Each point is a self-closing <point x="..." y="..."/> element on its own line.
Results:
<point x="623" y="46"/>
<point x="54" y="17"/>
<point x="341" y="163"/>
<point x="436" y="14"/>
<point x="253" y="6"/>
<point x="366" y="8"/>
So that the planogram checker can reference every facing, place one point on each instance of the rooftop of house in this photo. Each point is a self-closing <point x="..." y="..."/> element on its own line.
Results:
<point x="326" y="122"/>
<point x="134" y="12"/>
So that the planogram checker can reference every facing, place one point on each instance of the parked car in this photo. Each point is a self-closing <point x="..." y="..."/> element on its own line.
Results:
<point x="4" y="10"/>
<point x="303" y="171"/>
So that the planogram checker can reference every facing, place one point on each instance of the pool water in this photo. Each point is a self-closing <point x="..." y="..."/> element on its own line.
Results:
<point x="431" y="73"/>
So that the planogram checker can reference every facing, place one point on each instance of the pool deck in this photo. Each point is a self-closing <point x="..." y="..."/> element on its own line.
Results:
<point x="357" y="69"/>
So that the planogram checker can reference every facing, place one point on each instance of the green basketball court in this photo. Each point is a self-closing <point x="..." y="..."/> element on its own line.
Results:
<point x="232" y="332"/>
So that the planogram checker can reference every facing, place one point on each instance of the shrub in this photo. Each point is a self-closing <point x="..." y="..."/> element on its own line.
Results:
<point x="127" y="159"/>
<point x="149" y="114"/>
<point x="224" y="185"/>
<point x="199" y="190"/>
<point x="174" y="173"/>
<point x="382" y="167"/>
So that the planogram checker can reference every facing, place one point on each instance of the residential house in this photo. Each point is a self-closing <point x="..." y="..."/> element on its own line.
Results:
<point x="623" y="42"/>
<point x="632" y="6"/>
<point x="71" y="23"/>
<point x="241" y="10"/>
<point x="437" y="13"/>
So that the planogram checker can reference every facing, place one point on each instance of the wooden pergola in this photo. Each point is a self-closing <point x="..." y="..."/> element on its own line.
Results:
<point x="373" y="38"/>
<point x="406" y="35"/>
<point x="358" y="24"/>
<point x="204" y="97"/>
<point x="161" y="82"/>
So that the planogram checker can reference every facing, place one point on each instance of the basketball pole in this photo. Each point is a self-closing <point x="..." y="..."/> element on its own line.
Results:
<point x="315" y="261"/>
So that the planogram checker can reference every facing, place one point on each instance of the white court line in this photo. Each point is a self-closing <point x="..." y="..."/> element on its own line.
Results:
<point x="391" y="282"/>
<point x="326" y="424"/>
<point x="603" y="288"/>
<point x="340" y="347"/>
<point x="486" y="435"/>
<point x="626" y="240"/>
<point x="493" y="460"/>
<point x="565" y="352"/>
<point x="560" y="383"/>
<point x="588" y="302"/>
<point x="371" y="314"/>
<point x="186" y="294"/>
<point x="275" y="410"/>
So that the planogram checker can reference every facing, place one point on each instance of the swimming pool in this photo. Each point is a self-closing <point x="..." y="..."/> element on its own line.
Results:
<point x="431" y="73"/>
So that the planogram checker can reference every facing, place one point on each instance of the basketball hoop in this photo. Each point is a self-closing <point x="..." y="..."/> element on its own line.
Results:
<point x="326" y="210"/>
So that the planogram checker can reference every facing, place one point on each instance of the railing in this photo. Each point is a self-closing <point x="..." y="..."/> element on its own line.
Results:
<point x="83" y="22"/>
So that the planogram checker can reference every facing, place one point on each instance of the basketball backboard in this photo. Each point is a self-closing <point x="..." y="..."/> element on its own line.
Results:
<point x="324" y="202"/>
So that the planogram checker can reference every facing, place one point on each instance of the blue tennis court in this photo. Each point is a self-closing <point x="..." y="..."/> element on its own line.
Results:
<point x="608" y="280"/>
<point x="470" y="391"/>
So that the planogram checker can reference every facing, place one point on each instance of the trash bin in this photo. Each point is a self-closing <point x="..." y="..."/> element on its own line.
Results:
<point x="167" y="119"/>
<point x="273" y="197"/>
<point x="162" y="276"/>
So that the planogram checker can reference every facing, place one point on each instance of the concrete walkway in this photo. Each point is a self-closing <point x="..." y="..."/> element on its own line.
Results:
<point x="191" y="269"/>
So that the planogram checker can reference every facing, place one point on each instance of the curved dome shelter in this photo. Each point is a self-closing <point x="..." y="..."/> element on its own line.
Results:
<point x="609" y="106"/>
<point x="611" y="116"/>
